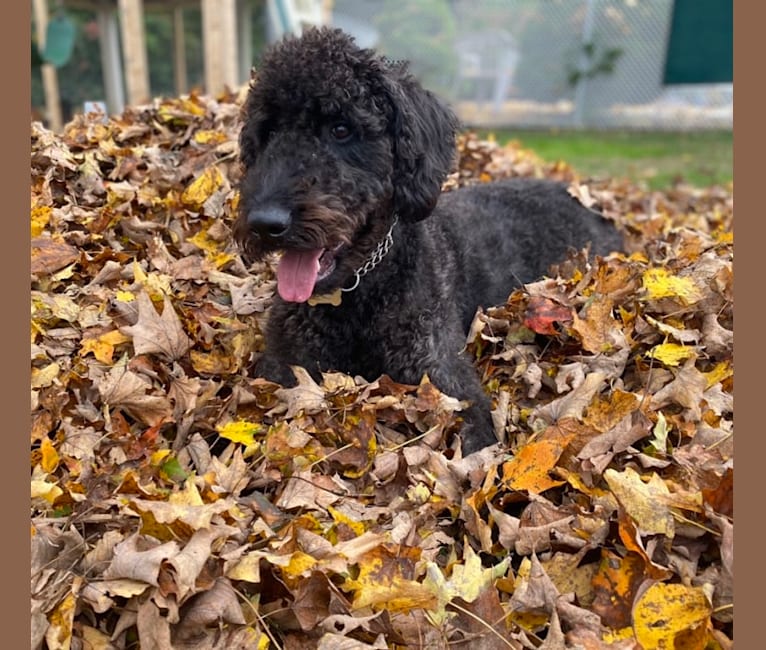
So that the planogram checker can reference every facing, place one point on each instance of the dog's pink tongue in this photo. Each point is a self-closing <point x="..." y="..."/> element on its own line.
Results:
<point x="297" y="274"/>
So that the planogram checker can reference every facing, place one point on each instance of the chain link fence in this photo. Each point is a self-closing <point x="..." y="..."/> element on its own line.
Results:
<point x="594" y="64"/>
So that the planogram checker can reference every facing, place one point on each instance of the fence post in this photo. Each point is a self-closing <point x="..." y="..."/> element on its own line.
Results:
<point x="581" y="90"/>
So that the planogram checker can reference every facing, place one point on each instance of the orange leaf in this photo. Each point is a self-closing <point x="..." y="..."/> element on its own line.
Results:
<point x="528" y="470"/>
<point x="615" y="586"/>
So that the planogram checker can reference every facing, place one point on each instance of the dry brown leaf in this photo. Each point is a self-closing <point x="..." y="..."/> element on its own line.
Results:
<point x="49" y="256"/>
<point x="156" y="333"/>
<point x="123" y="388"/>
<point x="573" y="403"/>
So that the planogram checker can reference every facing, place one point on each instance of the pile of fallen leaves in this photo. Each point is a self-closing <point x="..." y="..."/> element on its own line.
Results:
<point x="178" y="502"/>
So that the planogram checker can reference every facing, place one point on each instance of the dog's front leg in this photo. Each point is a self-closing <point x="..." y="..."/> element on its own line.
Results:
<point x="455" y="376"/>
<point x="274" y="369"/>
<point x="290" y="341"/>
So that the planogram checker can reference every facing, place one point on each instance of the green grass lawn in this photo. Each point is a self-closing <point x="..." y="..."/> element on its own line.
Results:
<point x="659" y="159"/>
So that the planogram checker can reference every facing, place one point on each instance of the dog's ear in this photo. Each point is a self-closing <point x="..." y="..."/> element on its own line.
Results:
<point x="423" y="131"/>
<point x="253" y="117"/>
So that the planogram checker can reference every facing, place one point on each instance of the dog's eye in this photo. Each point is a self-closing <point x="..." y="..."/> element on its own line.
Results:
<point x="341" y="131"/>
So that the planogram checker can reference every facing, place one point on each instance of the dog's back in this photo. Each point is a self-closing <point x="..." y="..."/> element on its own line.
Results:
<point x="510" y="232"/>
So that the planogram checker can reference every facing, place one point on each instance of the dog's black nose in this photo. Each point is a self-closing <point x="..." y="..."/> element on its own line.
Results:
<point x="269" y="222"/>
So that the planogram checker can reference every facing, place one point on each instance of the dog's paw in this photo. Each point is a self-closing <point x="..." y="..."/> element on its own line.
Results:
<point x="477" y="431"/>
<point x="274" y="370"/>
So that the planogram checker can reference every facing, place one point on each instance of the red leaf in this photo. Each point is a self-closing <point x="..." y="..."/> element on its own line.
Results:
<point x="542" y="313"/>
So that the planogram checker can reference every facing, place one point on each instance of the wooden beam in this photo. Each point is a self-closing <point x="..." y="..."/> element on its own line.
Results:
<point x="180" y="75"/>
<point x="219" y="35"/>
<point x="159" y="5"/>
<point x="134" y="51"/>
<point x="48" y="71"/>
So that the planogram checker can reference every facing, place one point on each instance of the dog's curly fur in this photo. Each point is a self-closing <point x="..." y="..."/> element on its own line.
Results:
<point x="337" y="143"/>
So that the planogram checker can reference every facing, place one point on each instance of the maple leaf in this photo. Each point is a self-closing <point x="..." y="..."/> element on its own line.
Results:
<point x="645" y="502"/>
<point x="573" y="403"/>
<point x="124" y="388"/>
<point x="467" y="582"/>
<point x="157" y="333"/>
<point x="686" y="389"/>
<point x="306" y="395"/>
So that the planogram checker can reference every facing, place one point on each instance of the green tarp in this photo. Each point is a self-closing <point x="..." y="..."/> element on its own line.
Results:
<point x="700" y="49"/>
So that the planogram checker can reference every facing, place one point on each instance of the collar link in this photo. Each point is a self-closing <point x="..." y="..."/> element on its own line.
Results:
<point x="375" y="257"/>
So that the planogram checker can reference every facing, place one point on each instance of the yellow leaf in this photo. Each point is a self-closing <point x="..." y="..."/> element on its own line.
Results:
<point x="467" y="582"/>
<point x="216" y="362"/>
<point x="158" y="456"/>
<point x="45" y="490"/>
<point x="672" y="616"/>
<point x="204" y="242"/>
<point x="156" y="283"/>
<point x="212" y="249"/>
<point x="65" y="273"/>
<point x="299" y="564"/>
<point x="721" y="371"/>
<point x="724" y="236"/>
<point x="672" y="354"/>
<point x="50" y="457"/>
<point x="382" y="585"/>
<point x="659" y="283"/>
<point x="44" y="377"/>
<point x="102" y="347"/>
<point x="125" y="296"/>
<point x="189" y="496"/>
<point x="356" y="526"/>
<point x="202" y="188"/>
<point x="246" y="568"/>
<point x="51" y="308"/>
<point x="469" y="579"/>
<point x="221" y="259"/>
<point x="179" y="111"/>
<point x="94" y="639"/>
<point x="59" y="634"/>
<point x="242" y="431"/>
<point x="645" y="503"/>
<point x="41" y="215"/>
<point x="207" y="136"/>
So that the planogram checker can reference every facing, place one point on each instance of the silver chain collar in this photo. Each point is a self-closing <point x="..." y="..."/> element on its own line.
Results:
<point x="377" y="256"/>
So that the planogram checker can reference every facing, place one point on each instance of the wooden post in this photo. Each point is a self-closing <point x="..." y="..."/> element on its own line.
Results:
<point x="134" y="51"/>
<point x="109" y="42"/>
<point x="48" y="71"/>
<point x="180" y="75"/>
<point x="219" y="34"/>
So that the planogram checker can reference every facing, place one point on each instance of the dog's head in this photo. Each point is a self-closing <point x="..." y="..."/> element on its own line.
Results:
<point x="336" y="141"/>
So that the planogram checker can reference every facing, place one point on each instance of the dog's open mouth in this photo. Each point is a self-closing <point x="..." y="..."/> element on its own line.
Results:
<point x="300" y="270"/>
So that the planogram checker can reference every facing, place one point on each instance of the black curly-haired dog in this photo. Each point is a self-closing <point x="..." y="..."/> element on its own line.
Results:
<point x="344" y="156"/>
